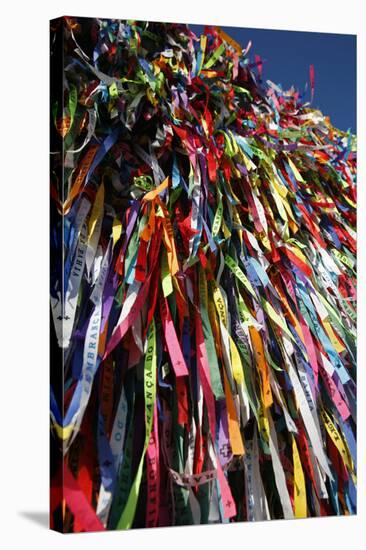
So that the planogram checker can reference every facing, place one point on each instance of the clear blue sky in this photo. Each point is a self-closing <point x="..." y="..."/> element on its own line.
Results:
<point x="287" y="56"/>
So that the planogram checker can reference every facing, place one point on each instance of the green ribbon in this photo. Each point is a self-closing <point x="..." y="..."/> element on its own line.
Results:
<point x="128" y="515"/>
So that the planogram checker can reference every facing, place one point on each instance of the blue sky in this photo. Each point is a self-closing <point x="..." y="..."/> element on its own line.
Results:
<point x="287" y="56"/>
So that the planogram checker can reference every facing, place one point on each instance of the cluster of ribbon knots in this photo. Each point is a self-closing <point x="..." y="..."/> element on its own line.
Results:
<point x="203" y="298"/>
